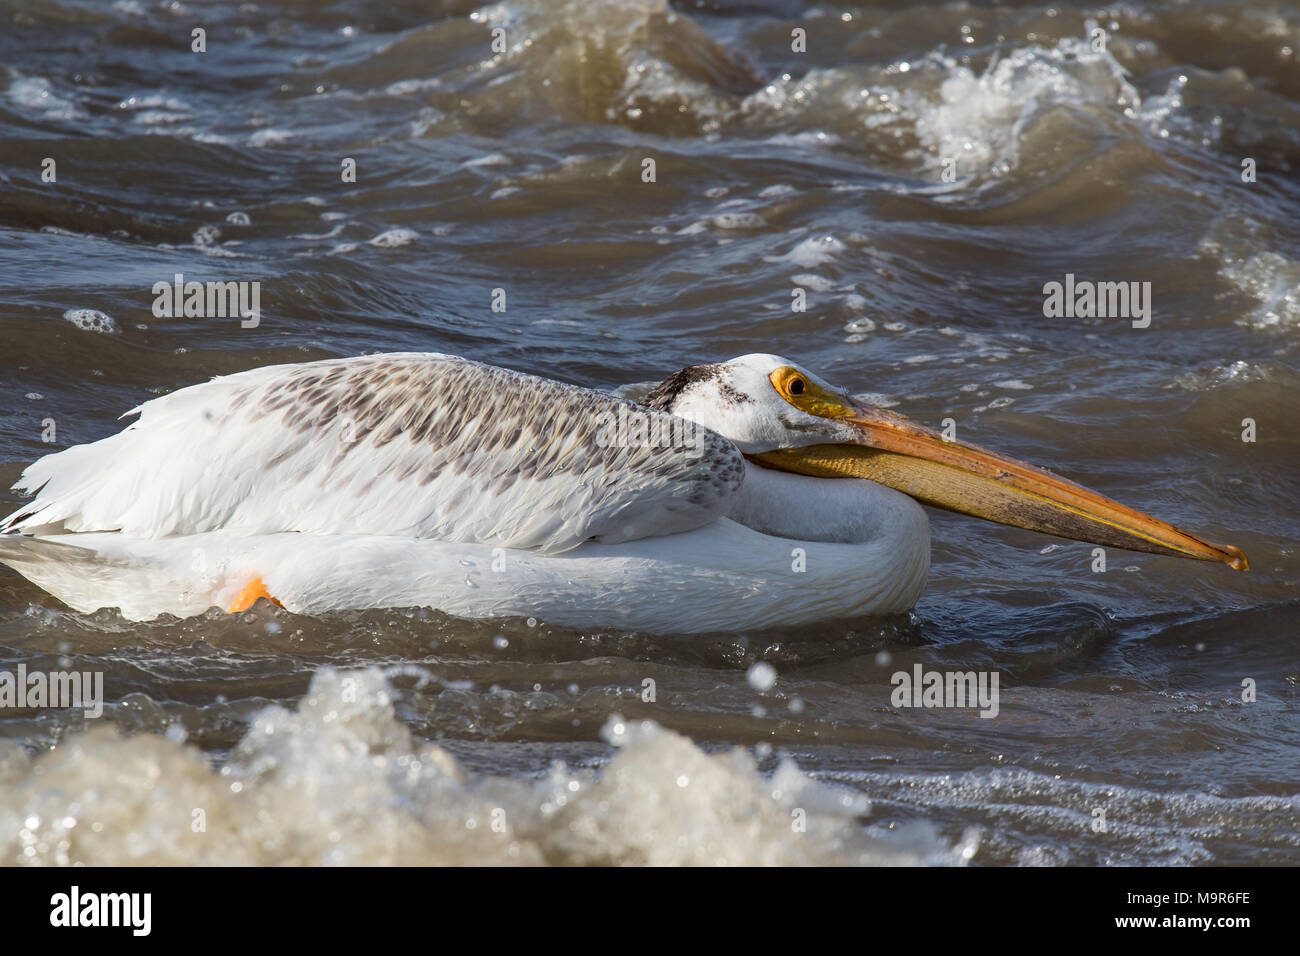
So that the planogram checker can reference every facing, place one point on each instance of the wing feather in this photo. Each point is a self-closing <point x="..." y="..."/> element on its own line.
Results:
<point x="416" y="444"/>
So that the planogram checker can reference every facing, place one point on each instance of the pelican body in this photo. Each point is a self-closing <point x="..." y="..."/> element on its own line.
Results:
<point x="740" y="495"/>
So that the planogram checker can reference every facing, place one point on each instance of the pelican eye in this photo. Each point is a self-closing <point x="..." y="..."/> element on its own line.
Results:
<point x="793" y="386"/>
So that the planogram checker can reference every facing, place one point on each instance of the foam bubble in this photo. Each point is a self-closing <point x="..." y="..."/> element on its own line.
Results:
<point x="738" y="220"/>
<point x="207" y="241"/>
<point x="92" y="320"/>
<point x="761" y="676"/>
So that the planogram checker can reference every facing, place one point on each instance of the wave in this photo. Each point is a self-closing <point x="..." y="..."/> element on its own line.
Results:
<point x="342" y="781"/>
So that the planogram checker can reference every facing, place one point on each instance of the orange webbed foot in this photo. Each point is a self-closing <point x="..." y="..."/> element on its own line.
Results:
<point x="253" y="590"/>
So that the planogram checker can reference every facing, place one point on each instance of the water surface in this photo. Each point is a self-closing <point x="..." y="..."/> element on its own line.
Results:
<point x="775" y="170"/>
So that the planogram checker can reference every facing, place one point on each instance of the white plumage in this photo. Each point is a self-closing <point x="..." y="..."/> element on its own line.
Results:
<point x="408" y="444"/>
<point x="429" y="480"/>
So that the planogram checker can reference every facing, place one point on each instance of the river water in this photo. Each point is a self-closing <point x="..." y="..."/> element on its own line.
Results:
<point x="920" y="172"/>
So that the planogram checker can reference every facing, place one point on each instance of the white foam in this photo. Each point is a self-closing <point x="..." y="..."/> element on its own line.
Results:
<point x="393" y="238"/>
<point x="979" y="120"/>
<point x="1268" y="277"/>
<point x="270" y="137"/>
<point x="937" y="110"/>
<point x="92" y="320"/>
<point x="156" y="109"/>
<point x="811" y="252"/>
<point x="1234" y="373"/>
<point x="1146" y="826"/>
<point x="490" y="159"/>
<point x="35" y="94"/>
<point x="341" y="780"/>
<point x="206" y="241"/>
<point x="815" y="282"/>
<point x="738" y="220"/>
<point x="319" y="236"/>
<point x="1271" y="279"/>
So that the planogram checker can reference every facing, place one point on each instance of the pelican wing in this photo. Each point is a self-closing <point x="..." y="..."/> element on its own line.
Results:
<point x="414" y="444"/>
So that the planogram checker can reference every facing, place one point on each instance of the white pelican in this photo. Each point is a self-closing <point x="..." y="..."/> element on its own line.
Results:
<point x="747" y="494"/>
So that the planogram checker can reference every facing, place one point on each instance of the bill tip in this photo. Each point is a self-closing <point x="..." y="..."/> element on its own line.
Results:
<point x="1236" y="558"/>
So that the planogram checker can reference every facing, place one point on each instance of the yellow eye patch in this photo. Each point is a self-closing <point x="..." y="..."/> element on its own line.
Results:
<point x="801" y="392"/>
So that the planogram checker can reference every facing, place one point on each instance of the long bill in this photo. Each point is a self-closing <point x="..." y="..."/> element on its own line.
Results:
<point x="918" y="461"/>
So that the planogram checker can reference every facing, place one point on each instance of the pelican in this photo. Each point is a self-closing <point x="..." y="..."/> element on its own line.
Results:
<point x="739" y="495"/>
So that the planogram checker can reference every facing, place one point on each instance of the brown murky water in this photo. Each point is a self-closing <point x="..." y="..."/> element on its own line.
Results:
<point x="920" y="171"/>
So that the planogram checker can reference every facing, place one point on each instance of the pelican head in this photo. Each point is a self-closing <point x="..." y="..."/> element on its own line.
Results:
<point x="783" y="417"/>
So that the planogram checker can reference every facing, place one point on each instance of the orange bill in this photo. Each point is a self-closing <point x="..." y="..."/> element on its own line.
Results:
<point x="920" y="462"/>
